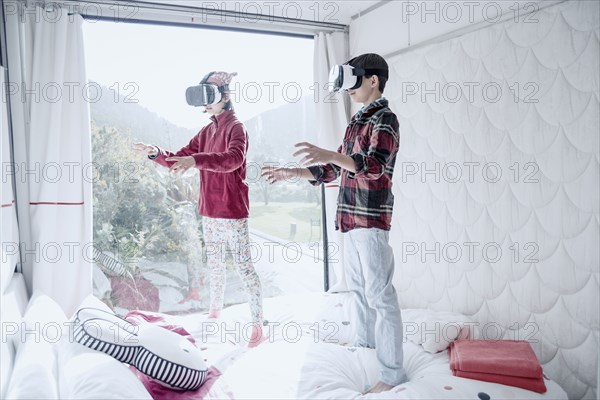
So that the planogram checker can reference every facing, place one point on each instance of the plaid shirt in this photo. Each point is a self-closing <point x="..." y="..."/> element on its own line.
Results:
<point x="365" y="199"/>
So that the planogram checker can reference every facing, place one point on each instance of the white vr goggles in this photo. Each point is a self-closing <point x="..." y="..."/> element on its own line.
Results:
<point x="205" y="94"/>
<point x="346" y="77"/>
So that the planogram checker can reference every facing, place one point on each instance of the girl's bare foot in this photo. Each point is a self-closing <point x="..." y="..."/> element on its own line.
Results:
<point x="379" y="387"/>
<point x="193" y="295"/>
<point x="214" y="314"/>
<point x="256" y="337"/>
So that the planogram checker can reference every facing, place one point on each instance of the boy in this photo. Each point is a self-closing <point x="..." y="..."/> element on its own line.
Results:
<point x="365" y="162"/>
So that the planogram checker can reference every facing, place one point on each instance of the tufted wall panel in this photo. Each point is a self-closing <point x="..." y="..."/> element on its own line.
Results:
<point x="497" y="184"/>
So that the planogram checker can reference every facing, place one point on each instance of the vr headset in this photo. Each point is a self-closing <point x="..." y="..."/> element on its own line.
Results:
<point x="205" y="94"/>
<point x="346" y="77"/>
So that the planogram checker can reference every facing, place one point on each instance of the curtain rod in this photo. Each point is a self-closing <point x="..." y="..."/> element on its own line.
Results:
<point x="195" y="11"/>
<point x="88" y="17"/>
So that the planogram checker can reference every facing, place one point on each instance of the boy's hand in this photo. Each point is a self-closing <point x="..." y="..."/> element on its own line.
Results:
<point x="147" y="149"/>
<point x="182" y="164"/>
<point x="275" y="174"/>
<point x="313" y="154"/>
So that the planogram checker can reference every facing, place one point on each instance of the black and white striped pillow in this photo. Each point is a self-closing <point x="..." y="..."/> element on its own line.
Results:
<point x="108" y="333"/>
<point x="166" y="357"/>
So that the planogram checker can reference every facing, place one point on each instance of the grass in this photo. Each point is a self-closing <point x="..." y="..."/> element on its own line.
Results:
<point x="275" y="219"/>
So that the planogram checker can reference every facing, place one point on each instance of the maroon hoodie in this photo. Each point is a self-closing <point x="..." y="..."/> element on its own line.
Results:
<point x="220" y="152"/>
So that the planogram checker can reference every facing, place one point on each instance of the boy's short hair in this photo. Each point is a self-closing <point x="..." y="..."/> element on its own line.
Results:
<point x="371" y="60"/>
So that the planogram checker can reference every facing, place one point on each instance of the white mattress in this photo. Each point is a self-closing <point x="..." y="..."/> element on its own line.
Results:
<point x="296" y="363"/>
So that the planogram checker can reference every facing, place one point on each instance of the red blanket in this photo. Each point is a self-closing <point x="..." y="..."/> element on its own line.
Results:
<point x="508" y="362"/>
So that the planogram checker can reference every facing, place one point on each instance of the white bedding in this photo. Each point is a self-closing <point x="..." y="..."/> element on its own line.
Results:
<point x="307" y="355"/>
<point x="13" y="302"/>
<point x="296" y="363"/>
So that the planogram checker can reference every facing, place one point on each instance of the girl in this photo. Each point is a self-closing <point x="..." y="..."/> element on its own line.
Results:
<point x="218" y="151"/>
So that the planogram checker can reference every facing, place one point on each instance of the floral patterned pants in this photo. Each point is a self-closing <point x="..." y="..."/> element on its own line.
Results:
<point x="219" y="235"/>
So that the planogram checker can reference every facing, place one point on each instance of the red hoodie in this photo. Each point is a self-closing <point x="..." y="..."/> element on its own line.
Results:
<point x="220" y="152"/>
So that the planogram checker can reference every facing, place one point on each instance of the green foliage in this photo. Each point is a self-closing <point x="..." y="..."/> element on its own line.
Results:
<point x="139" y="209"/>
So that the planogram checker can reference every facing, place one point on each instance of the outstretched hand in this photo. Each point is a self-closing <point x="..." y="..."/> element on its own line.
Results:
<point x="313" y="154"/>
<point x="181" y="164"/>
<point x="275" y="174"/>
<point x="147" y="149"/>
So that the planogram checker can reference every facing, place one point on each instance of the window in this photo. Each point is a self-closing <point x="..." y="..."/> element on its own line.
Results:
<point x="149" y="248"/>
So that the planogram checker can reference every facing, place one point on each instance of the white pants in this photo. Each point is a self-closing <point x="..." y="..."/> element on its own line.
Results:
<point x="219" y="234"/>
<point x="369" y="270"/>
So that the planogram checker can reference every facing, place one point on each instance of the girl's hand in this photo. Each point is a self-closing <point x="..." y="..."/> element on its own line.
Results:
<point x="273" y="174"/>
<point x="147" y="149"/>
<point x="182" y="164"/>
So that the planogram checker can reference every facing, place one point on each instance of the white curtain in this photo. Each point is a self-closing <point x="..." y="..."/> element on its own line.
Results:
<point x="9" y="234"/>
<point x="332" y="118"/>
<point x="53" y="153"/>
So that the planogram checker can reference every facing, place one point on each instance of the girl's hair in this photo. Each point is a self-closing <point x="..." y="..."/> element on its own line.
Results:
<point x="228" y="104"/>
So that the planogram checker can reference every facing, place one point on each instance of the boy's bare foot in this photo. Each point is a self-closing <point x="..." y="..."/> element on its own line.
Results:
<point x="256" y="337"/>
<point x="379" y="387"/>
<point x="214" y="314"/>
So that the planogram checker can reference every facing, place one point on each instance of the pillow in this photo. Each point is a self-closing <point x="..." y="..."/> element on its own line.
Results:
<point x="12" y="307"/>
<point x="92" y="301"/>
<point x="435" y="330"/>
<point x="13" y="304"/>
<point x="90" y="374"/>
<point x="35" y="371"/>
<point x="170" y="359"/>
<point x="7" y="360"/>
<point x="335" y="321"/>
<point x="165" y="356"/>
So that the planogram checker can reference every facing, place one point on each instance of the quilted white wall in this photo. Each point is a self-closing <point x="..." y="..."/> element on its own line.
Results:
<point x="540" y="130"/>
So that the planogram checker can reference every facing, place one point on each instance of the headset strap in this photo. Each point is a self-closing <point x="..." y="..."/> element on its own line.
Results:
<point x="222" y="89"/>
<point x="370" y="71"/>
<point x="203" y="81"/>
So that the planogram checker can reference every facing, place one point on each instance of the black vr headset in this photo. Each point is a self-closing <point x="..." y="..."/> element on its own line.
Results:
<point x="205" y="94"/>
<point x="346" y="77"/>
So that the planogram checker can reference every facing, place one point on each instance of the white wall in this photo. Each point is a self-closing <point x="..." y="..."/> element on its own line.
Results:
<point x="399" y="24"/>
<point x="544" y="125"/>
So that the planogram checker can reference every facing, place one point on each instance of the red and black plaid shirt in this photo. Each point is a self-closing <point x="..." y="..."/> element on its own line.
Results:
<point x="365" y="199"/>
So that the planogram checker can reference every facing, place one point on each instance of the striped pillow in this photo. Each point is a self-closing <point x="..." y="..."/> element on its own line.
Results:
<point x="165" y="356"/>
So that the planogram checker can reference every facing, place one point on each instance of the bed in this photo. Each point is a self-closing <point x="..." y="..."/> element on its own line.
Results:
<point x="307" y="355"/>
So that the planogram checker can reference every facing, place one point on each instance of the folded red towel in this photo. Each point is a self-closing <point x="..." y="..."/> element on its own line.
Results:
<point x="507" y="362"/>
<point x="501" y="357"/>
<point x="533" y="384"/>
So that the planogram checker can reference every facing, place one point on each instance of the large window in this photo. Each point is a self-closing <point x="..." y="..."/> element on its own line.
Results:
<point x="148" y="237"/>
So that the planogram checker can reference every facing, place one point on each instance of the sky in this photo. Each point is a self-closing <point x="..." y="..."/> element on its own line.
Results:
<point x="154" y="65"/>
